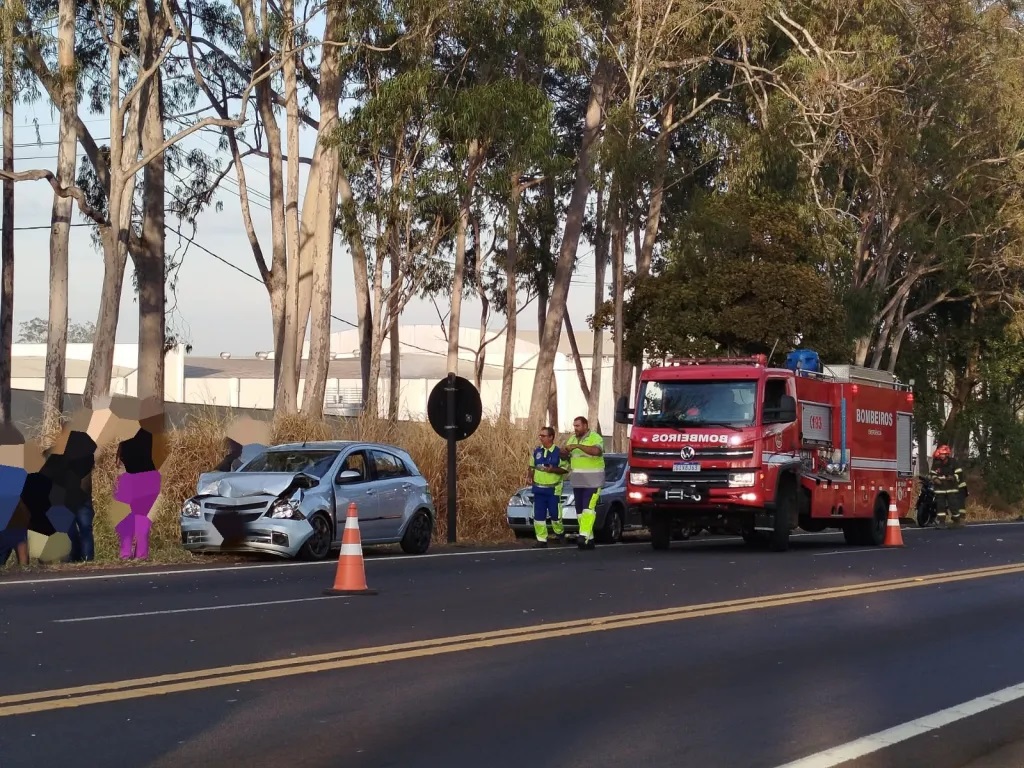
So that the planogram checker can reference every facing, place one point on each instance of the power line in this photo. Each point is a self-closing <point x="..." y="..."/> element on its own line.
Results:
<point x="258" y="279"/>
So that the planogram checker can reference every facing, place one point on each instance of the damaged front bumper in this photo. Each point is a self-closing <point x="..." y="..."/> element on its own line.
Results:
<point x="284" y="538"/>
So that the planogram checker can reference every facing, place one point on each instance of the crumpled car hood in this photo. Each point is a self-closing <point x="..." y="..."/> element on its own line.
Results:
<point x="237" y="485"/>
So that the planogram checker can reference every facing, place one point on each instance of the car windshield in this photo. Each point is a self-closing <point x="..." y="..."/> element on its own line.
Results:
<point x="695" y="403"/>
<point x="613" y="469"/>
<point x="315" y="463"/>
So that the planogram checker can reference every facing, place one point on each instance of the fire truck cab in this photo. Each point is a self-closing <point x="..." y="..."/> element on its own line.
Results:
<point x="732" y="446"/>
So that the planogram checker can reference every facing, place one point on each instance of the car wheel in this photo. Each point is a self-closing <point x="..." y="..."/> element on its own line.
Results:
<point x="611" y="530"/>
<point x="417" y="536"/>
<point x="318" y="546"/>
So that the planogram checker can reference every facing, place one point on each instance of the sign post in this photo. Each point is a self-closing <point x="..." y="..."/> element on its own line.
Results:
<point x="454" y="409"/>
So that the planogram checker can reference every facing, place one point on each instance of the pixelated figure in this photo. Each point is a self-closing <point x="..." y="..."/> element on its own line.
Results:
<point x="138" y="487"/>
<point x="68" y="470"/>
<point x="14" y="517"/>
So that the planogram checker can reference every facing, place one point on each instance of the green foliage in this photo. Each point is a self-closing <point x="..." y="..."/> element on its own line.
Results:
<point x="742" y="275"/>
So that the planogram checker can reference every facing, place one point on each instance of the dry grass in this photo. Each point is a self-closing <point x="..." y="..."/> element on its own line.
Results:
<point x="491" y="468"/>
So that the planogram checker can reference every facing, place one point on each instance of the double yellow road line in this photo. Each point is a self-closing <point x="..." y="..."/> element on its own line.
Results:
<point x="143" y="687"/>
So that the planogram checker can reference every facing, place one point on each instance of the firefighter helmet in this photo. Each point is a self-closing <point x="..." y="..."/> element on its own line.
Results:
<point x="942" y="452"/>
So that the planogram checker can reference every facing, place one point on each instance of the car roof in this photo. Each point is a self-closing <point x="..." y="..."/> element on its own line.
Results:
<point x="331" y="445"/>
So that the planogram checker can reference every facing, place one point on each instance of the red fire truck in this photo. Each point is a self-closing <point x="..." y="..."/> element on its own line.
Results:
<point x="730" y="445"/>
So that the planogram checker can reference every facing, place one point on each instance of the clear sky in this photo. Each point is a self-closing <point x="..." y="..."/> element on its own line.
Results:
<point x="216" y="307"/>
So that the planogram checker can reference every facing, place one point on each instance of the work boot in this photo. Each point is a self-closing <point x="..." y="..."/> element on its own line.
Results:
<point x="584" y="543"/>
<point x="540" y="545"/>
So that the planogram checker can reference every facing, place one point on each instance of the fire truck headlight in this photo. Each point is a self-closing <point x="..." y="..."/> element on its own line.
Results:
<point x="741" y="479"/>
<point x="638" y="478"/>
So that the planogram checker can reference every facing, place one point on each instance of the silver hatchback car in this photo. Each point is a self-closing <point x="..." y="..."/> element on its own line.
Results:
<point x="291" y="500"/>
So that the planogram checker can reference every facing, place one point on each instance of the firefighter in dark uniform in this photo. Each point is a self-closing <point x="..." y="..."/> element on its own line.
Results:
<point x="950" y="487"/>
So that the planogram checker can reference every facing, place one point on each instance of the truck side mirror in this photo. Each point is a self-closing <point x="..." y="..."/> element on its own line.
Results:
<point x="787" y="409"/>
<point x="623" y="413"/>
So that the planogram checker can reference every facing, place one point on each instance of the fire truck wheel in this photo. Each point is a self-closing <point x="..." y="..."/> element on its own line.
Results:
<point x="784" y="512"/>
<point x="868" y="532"/>
<point x="661" y="531"/>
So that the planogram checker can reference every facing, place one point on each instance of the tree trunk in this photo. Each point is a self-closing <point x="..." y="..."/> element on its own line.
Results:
<point x="454" y="319"/>
<point x="600" y="268"/>
<point x="318" y="220"/>
<point x="570" y="241"/>
<point x="7" y="236"/>
<point x="542" y="314"/>
<point x="553" y="402"/>
<point x="60" y="220"/>
<point x="653" y="225"/>
<point x="101" y="364"/>
<point x="617" y="227"/>
<point x="861" y="350"/>
<point x="150" y="265"/>
<point x="480" y="362"/>
<point x="511" y="301"/>
<point x="361" y="277"/>
<point x="395" y="358"/>
<point x="258" y="40"/>
<point x="287" y="400"/>
<point x="577" y="358"/>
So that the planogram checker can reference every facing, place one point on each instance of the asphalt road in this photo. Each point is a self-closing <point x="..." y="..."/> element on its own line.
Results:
<point x="710" y="654"/>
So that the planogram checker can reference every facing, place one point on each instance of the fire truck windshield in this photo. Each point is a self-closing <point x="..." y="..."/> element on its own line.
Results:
<point x="696" y="403"/>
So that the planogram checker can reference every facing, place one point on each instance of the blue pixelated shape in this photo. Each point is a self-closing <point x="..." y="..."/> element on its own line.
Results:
<point x="12" y="481"/>
<point x="60" y="518"/>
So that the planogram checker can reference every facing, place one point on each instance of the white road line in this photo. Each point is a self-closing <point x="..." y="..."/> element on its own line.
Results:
<point x="854" y="551"/>
<point x="190" y="610"/>
<point x="395" y="559"/>
<point x="883" y="739"/>
<point x="274" y="566"/>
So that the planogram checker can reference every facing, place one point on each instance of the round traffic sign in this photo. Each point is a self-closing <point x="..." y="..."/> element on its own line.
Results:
<point x="467" y="408"/>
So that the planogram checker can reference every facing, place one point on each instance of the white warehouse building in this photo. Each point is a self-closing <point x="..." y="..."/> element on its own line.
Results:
<point x="247" y="381"/>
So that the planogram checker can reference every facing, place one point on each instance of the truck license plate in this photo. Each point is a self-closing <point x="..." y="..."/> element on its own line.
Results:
<point x="686" y="466"/>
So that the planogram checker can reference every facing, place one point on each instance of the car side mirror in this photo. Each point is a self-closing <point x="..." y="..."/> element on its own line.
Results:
<point x="623" y="413"/>
<point x="349" y="476"/>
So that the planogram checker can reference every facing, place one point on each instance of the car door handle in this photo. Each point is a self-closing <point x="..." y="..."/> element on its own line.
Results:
<point x="370" y="492"/>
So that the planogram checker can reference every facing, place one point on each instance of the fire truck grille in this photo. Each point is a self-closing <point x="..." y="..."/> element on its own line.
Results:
<point x="707" y="478"/>
<point x="723" y="453"/>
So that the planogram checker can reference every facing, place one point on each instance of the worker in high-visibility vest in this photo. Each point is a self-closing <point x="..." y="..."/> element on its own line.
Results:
<point x="586" y="462"/>
<point x="563" y="463"/>
<point x="545" y="474"/>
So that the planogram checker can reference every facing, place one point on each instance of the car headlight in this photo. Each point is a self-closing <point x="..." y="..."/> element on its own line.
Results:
<point x="191" y="508"/>
<point x="638" y="478"/>
<point x="517" y="501"/>
<point x="285" y="509"/>
<point x="741" y="479"/>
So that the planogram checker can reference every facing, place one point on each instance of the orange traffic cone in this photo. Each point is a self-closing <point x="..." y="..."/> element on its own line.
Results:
<point x="350" y="578"/>
<point x="893" y="532"/>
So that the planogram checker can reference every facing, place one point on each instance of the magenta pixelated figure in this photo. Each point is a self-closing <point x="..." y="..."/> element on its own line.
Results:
<point x="138" y="487"/>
